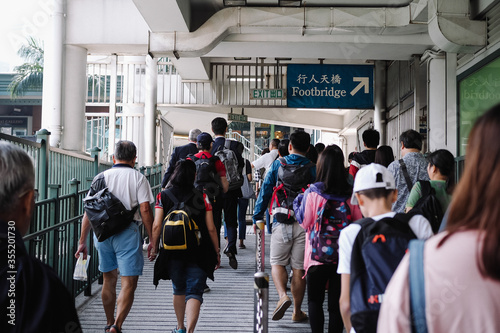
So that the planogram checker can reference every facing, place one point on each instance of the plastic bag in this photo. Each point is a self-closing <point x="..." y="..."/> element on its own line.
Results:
<point x="80" y="272"/>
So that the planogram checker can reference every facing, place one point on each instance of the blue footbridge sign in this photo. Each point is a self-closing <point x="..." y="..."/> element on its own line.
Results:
<point x="330" y="86"/>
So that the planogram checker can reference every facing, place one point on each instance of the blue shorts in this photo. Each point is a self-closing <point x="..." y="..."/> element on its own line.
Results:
<point x="187" y="279"/>
<point x="123" y="251"/>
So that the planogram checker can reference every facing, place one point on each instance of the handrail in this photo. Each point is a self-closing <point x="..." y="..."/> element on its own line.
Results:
<point x="246" y="144"/>
<point x="56" y="223"/>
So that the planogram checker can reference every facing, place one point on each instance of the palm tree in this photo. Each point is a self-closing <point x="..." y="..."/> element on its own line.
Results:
<point x="30" y="74"/>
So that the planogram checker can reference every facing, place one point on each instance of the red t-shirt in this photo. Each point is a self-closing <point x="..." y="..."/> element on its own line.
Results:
<point x="159" y="204"/>
<point x="219" y="166"/>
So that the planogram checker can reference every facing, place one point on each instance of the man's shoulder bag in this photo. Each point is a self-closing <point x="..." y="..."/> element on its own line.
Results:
<point x="107" y="214"/>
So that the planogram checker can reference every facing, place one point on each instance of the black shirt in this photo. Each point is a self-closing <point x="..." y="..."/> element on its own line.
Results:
<point x="42" y="302"/>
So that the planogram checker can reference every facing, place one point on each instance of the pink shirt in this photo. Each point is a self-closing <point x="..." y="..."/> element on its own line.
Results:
<point x="458" y="298"/>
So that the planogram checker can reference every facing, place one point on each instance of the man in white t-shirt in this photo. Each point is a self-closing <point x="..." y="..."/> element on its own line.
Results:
<point x="375" y="192"/>
<point x="122" y="251"/>
<point x="266" y="160"/>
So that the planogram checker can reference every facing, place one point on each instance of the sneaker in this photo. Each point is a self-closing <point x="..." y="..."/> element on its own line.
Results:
<point x="232" y="260"/>
<point x="283" y="304"/>
<point x="179" y="330"/>
<point x="299" y="317"/>
<point x="207" y="288"/>
<point x="242" y="246"/>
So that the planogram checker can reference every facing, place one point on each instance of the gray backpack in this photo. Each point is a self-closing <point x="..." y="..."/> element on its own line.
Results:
<point x="233" y="171"/>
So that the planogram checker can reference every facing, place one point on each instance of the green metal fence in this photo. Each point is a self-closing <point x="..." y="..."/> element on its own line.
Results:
<point x="56" y="224"/>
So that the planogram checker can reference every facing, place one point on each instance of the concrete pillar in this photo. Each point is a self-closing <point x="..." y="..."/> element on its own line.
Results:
<point x="380" y="100"/>
<point x="53" y="74"/>
<point x="75" y="91"/>
<point x="150" y="111"/>
<point x="252" y="141"/>
<point x="451" y="121"/>
<point x="112" y="105"/>
<point x="437" y="103"/>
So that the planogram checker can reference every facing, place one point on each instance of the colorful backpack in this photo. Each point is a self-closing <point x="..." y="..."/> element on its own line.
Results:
<point x="332" y="217"/>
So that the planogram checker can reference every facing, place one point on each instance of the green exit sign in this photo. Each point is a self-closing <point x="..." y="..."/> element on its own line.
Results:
<point x="237" y="117"/>
<point x="267" y="94"/>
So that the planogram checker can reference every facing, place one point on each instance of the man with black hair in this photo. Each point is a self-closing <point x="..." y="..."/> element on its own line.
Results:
<point x="319" y="147"/>
<point x="180" y="153"/>
<point x="288" y="238"/>
<point x="227" y="201"/>
<point x="409" y="169"/>
<point x="371" y="139"/>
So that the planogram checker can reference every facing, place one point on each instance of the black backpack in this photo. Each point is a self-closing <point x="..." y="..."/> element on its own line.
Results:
<point x="376" y="253"/>
<point x="179" y="231"/>
<point x="207" y="179"/>
<point x="107" y="214"/>
<point x="429" y="206"/>
<point x="293" y="179"/>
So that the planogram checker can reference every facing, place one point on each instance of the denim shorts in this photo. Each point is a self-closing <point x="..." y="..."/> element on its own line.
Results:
<point x="187" y="279"/>
<point x="123" y="251"/>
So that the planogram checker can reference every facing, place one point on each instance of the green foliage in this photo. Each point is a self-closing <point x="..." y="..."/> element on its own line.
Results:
<point x="30" y="74"/>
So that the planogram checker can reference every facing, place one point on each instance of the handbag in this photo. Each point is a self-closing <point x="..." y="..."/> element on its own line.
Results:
<point x="107" y="214"/>
<point x="247" y="189"/>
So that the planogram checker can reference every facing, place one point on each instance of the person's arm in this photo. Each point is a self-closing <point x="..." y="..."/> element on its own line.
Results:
<point x="248" y="170"/>
<point x="155" y="234"/>
<point x="209" y="218"/>
<point x="266" y="191"/>
<point x="345" y="301"/>
<point x="225" y="184"/>
<point x="82" y="243"/>
<point x="415" y="194"/>
<point x="147" y="218"/>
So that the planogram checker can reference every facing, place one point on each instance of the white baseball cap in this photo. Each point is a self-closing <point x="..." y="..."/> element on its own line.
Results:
<point x="372" y="176"/>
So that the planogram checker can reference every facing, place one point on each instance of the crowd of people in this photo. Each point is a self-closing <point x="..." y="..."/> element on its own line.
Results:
<point x="341" y="234"/>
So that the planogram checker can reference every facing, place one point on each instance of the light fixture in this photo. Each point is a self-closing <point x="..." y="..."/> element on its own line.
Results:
<point x="290" y="3"/>
<point x="229" y="3"/>
<point x="242" y="58"/>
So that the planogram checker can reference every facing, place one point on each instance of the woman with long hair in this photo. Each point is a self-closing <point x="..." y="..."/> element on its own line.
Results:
<point x="189" y="268"/>
<point x="462" y="264"/>
<point x="331" y="188"/>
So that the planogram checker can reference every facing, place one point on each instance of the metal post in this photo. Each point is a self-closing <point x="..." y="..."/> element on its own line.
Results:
<point x="53" y="237"/>
<point x="43" y="162"/>
<point x="94" y="153"/>
<point x="260" y="252"/>
<point x="261" y="303"/>
<point x="73" y="228"/>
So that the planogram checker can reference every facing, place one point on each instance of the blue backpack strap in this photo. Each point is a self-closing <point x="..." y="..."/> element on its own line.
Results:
<point x="417" y="287"/>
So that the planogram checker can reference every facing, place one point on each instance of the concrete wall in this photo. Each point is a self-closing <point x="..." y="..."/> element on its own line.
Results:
<point x="97" y="24"/>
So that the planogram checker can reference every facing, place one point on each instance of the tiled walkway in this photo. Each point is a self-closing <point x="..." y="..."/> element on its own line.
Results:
<point x="228" y="307"/>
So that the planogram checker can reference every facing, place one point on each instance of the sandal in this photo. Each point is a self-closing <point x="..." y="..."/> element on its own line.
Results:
<point x="106" y="328"/>
<point x="117" y="330"/>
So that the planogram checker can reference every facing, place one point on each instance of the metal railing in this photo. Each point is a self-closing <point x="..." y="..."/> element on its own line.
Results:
<point x="247" y="144"/>
<point x="56" y="223"/>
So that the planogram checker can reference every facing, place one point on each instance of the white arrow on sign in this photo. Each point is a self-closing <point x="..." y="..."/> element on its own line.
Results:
<point x="363" y="81"/>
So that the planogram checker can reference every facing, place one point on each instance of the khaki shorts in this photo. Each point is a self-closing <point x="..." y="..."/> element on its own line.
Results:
<point x="291" y="252"/>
